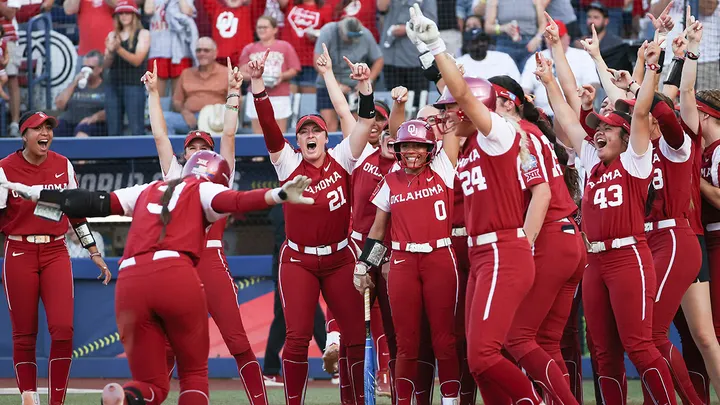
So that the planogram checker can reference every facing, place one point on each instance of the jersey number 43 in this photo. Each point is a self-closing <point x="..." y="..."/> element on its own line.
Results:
<point x="610" y="197"/>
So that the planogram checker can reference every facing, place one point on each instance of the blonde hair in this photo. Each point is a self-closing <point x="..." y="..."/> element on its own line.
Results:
<point x="525" y="157"/>
<point x="136" y="27"/>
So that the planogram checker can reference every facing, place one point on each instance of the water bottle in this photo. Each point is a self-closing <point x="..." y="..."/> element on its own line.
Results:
<point x="85" y="73"/>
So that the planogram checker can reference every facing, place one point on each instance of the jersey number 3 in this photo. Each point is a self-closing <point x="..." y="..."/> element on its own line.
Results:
<point x="157" y="208"/>
<point x="613" y="198"/>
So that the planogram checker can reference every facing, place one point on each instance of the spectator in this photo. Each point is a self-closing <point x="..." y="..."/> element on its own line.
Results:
<point x="94" y="22"/>
<point x="614" y="11"/>
<point x="171" y="48"/>
<point x="281" y="66"/>
<point x="613" y="49"/>
<point x="400" y="55"/>
<point x="478" y="61"/>
<point x="197" y="87"/>
<point x="31" y="8"/>
<point x="580" y="62"/>
<point x="448" y="24"/>
<point x="302" y="28"/>
<point x="126" y="50"/>
<point x="75" y="249"/>
<point x="272" y="9"/>
<point x="4" y="60"/>
<point x="363" y="10"/>
<point x="518" y="27"/>
<point x="562" y="10"/>
<point x="347" y="38"/>
<point x="463" y="11"/>
<point x="8" y="9"/>
<point x="232" y="22"/>
<point x="84" y="101"/>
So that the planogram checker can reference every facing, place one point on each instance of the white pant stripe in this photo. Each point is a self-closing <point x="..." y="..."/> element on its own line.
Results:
<point x="496" y="264"/>
<point x="670" y="265"/>
<point x="642" y="279"/>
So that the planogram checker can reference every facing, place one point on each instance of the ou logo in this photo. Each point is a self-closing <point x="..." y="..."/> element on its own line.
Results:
<point x="412" y="129"/>
<point x="226" y="24"/>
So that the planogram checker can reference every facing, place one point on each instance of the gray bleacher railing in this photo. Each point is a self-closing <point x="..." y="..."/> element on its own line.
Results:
<point x="34" y="24"/>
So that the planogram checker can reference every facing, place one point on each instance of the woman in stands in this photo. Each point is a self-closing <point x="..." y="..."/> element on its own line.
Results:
<point x="158" y="294"/>
<point x="212" y="269"/>
<point x="499" y="232"/>
<point x="619" y="284"/>
<point x="317" y="256"/>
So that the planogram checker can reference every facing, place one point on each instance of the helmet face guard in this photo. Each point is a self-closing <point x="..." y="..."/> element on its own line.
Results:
<point x="208" y="165"/>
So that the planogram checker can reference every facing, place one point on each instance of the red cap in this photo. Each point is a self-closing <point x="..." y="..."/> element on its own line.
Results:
<point x="311" y="118"/>
<point x="379" y="109"/>
<point x="624" y="105"/>
<point x="126" y="6"/>
<point x="562" y="29"/>
<point x="37" y="120"/>
<point x="505" y="93"/>
<point x="201" y="135"/>
<point x="615" y="119"/>
<point x="705" y="107"/>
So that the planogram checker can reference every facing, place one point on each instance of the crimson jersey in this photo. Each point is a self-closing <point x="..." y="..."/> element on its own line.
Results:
<point x="613" y="204"/>
<point x="232" y="27"/>
<point x="190" y="207"/>
<point x="486" y="168"/>
<point x="696" y="197"/>
<point x="327" y="221"/>
<point x="672" y="180"/>
<point x="458" y="216"/>
<point x="709" y="170"/>
<point x="421" y="204"/>
<point x="55" y="173"/>
<point x="371" y="168"/>
<point x="561" y="203"/>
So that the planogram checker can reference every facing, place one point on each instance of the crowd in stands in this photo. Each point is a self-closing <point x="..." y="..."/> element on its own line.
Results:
<point x="191" y="43"/>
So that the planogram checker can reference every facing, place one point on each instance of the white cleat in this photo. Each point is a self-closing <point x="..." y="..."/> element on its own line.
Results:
<point x="113" y="394"/>
<point x="450" y="401"/>
<point x="30" y="398"/>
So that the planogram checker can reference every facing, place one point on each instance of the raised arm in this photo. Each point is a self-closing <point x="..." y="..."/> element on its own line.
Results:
<point x="366" y="111"/>
<point x="397" y="113"/>
<point x="230" y="119"/>
<point x="565" y="75"/>
<point x="592" y="46"/>
<point x="451" y="146"/>
<point x="323" y="64"/>
<point x="564" y="114"/>
<point x="688" y="104"/>
<point x="157" y="120"/>
<point x="274" y="139"/>
<point x="640" y="128"/>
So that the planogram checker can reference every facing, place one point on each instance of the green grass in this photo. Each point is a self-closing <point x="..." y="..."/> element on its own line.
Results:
<point x="315" y="396"/>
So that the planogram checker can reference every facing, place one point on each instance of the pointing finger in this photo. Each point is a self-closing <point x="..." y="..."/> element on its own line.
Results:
<point x="265" y="56"/>
<point x="352" y="65"/>
<point x="325" y="50"/>
<point x="229" y="65"/>
<point x="667" y="9"/>
<point x="155" y="67"/>
<point x="594" y="32"/>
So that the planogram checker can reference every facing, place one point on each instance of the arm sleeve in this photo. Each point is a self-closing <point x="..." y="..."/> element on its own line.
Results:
<point x="583" y="116"/>
<point x="72" y="184"/>
<point x="670" y="127"/>
<point x="696" y="137"/>
<point x="222" y="202"/>
<point x="274" y="139"/>
<point x="381" y="199"/>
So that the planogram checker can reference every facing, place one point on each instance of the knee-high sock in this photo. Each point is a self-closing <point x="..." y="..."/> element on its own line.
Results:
<point x="252" y="377"/>
<point x="59" y="370"/>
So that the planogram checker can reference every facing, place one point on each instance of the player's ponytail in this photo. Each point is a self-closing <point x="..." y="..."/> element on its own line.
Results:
<point x="525" y="157"/>
<point x="570" y="173"/>
<point x="165" y="214"/>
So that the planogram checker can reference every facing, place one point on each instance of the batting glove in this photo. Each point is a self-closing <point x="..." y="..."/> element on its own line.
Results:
<point x="361" y="278"/>
<point x="292" y="191"/>
<point x="425" y="30"/>
<point x="27" y="192"/>
<point x="412" y="36"/>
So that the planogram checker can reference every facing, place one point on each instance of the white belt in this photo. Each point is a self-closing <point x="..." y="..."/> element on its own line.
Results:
<point x="459" y="232"/>
<point x="426" y="247"/>
<point x="213" y="243"/>
<point x="490" y="237"/>
<point x="715" y="226"/>
<point x="665" y="223"/>
<point x="356" y="235"/>
<point x="597" y="247"/>
<point x="160" y="254"/>
<point x="317" y="250"/>
<point x="563" y="220"/>
<point x="35" y="238"/>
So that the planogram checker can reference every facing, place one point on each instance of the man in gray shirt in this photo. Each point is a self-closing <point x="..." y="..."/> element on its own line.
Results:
<point x="401" y="56"/>
<point x="346" y="38"/>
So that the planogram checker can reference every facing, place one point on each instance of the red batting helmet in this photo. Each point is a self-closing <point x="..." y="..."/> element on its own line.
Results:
<point x="208" y="165"/>
<point x="480" y="88"/>
<point x="414" y="131"/>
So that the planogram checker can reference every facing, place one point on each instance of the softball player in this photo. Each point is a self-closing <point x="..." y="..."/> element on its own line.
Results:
<point x="316" y="256"/>
<point x="619" y="283"/>
<point x="423" y="272"/>
<point x="502" y="269"/>
<point x="158" y="293"/>
<point x="37" y="264"/>
<point x="559" y="255"/>
<point x="221" y="291"/>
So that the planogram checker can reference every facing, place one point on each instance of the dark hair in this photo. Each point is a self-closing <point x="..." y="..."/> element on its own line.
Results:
<point x="382" y="105"/>
<point x="273" y="22"/>
<point x="319" y="3"/>
<point x="666" y="99"/>
<point x="710" y="97"/>
<point x="165" y="215"/>
<point x="570" y="173"/>
<point x="651" y="199"/>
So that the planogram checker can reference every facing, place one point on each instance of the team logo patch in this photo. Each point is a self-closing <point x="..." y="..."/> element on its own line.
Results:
<point x="533" y="174"/>
<point x="412" y="129"/>
<point x="529" y="163"/>
<point x="301" y="19"/>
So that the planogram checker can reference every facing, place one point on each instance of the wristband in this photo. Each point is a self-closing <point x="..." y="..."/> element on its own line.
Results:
<point x="676" y="68"/>
<point x="652" y="66"/>
<point x="95" y="254"/>
<point x="260" y="95"/>
<point x="232" y="107"/>
<point x="692" y="55"/>
<point x="432" y="73"/>
<point x="82" y="230"/>
<point x="630" y="85"/>
<point x="366" y="108"/>
<point x="497" y="29"/>
<point x="232" y="95"/>
<point x="278" y="195"/>
<point x="373" y="253"/>
<point x="426" y="60"/>
<point x="661" y="60"/>
<point x="437" y="47"/>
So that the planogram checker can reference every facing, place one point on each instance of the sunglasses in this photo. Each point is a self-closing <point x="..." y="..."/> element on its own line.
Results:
<point x="203" y="50"/>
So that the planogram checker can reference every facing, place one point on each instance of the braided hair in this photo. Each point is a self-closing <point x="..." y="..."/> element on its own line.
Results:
<point x="165" y="215"/>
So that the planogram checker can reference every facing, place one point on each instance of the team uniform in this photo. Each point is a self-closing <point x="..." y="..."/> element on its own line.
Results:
<point x="423" y="271"/>
<point x="559" y="255"/>
<point x="501" y="264"/>
<point x="619" y="284"/>
<point x="147" y="315"/>
<point x="222" y="301"/>
<point x="315" y="257"/>
<point x="673" y="243"/>
<point x="37" y="266"/>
